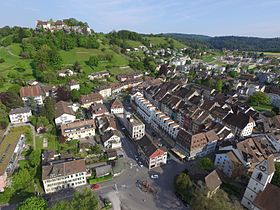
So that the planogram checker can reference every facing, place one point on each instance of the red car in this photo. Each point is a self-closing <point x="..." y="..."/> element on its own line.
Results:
<point x="95" y="186"/>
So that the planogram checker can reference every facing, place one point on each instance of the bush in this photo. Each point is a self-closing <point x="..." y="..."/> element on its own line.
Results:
<point x="2" y="60"/>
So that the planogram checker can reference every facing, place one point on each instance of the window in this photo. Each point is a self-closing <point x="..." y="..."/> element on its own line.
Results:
<point x="259" y="177"/>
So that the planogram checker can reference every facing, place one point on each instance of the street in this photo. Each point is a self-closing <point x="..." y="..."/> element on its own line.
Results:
<point x="123" y="192"/>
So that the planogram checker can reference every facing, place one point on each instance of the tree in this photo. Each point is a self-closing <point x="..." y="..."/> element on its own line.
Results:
<point x="276" y="176"/>
<point x="219" y="85"/>
<point x="206" y="163"/>
<point x="35" y="158"/>
<point x="34" y="203"/>
<point x="49" y="105"/>
<point x="4" y="120"/>
<point x="233" y="74"/>
<point x="92" y="61"/>
<point x="77" y="67"/>
<point x="62" y="205"/>
<point x="219" y="200"/>
<point x="75" y="95"/>
<point x="258" y="98"/>
<point x="85" y="200"/>
<point x="183" y="186"/>
<point x="11" y="99"/>
<point x="62" y="94"/>
<point x="22" y="179"/>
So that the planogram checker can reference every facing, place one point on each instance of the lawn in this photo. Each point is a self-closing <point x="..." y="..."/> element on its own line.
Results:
<point x="120" y="70"/>
<point x="277" y="54"/>
<point x="133" y="44"/>
<point x="163" y="40"/>
<point x="82" y="55"/>
<point x="53" y="143"/>
<point x="14" y="65"/>
<point x="263" y="107"/>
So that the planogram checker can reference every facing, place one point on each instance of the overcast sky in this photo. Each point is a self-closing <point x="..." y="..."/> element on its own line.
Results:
<point x="209" y="17"/>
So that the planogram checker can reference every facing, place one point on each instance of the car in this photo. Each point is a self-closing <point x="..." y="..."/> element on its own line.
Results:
<point x="123" y="128"/>
<point x="95" y="186"/>
<point x="154" y="176"/>
<point x="140" y="164"/>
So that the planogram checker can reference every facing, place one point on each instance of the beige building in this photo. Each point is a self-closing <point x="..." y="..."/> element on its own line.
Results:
<point x="60" y="175"/>
<point x="78" y="129"/>
<point x="87" y="100"/>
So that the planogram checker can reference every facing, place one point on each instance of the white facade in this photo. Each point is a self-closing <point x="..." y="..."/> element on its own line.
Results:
<point x="78" y="132"/>
<point x="247" y="131"/>
<point x="20" y="117"/>
<point x="62" y="182"/>
<point x="117" y="110"/>
<point x="153" y="116"/>
<point x="113" y="142"/>
<point x="64" y="119"/>
<point x="38" y="100"/>
<point x="107" y="92"/>
<point x="74" y="87"/>
<point x="158" y="160"/>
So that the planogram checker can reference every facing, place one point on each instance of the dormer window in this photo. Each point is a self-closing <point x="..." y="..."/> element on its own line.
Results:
<point x="259" y="177"/>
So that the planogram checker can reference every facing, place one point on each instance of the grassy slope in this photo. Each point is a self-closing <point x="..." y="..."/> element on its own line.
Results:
<point x="13" y="61"/>
<point x="162" y="40"/>
<point x="82" y="55"/>
<point x="276" y="54"/>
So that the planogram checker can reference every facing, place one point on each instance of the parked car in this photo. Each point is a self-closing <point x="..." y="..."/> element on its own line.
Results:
<point x="154" y="176"/>
<point x="95" y="186"/>
<point x="140" y="164"/>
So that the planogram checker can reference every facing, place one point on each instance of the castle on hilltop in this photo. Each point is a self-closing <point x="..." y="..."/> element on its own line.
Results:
<point x="66" y="25"/>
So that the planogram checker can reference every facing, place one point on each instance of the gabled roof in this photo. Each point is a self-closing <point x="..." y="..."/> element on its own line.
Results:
<point x="63" y="169"/>
<point x="212" y="181"/>
<point x="31" y="91"/>
<point x="116" y="104"/>
<point x="269" y="198"/>
<point x="90" y="98"/>
<point x="20" y="110"/>
<point x="149" y="148"/>
<point x="63" y="107"/>
<point x="109" y="134"/>
<point x="239" y="120"/>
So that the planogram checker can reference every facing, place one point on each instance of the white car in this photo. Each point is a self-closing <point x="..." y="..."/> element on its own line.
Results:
<point x="140" y="164"/>
<point x="123" y="128"/>
<point x="154" y="176"/>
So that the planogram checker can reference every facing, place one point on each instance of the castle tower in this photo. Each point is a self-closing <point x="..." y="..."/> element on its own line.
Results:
<point x="260" y="177"/>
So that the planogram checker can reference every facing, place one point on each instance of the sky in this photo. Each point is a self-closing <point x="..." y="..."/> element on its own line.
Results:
<point x="259" y="18"/>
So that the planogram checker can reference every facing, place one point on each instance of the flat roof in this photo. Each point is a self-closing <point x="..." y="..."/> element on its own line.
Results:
<point x="7" y="147"/>
<point x="136" y="121"/>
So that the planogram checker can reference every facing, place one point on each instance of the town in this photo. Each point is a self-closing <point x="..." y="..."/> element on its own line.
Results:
<point x="184" y="129"/>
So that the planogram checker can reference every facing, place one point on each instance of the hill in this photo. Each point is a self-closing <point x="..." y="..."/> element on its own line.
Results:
<point x="230" y="42"/>
<point x="28" y="54"/>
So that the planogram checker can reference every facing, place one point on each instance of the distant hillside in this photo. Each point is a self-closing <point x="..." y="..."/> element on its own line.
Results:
<point x="246" y="43"/>
<point x="230" y="42"/>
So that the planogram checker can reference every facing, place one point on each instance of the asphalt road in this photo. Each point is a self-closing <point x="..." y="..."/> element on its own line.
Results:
<point x="124" y="192"/>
